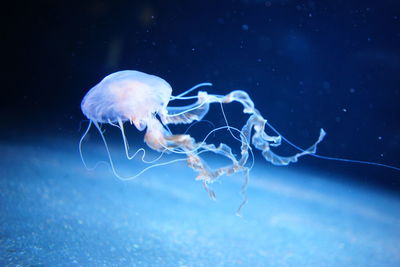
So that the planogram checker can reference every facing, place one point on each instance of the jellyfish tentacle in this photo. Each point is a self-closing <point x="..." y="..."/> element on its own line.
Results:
<point x="186" y="114"/>
<point x="260" y="139"/>
<point x="252" y="132"/>
<point x="80" y="150"/>
<point x="120" y="126"/>
<point x="199" y="145"/>
<point x="111" y="162"/>
<point x="190" y="90"/>
<point x="333" y="158"/>
<point x="197" y="122"/>
<point x="107" y="150"/>
<point x="81" y="141"/>
<point x="190" y="147"/>
<point x="126" y="144"/>
<point x="158" y="139"/>
<point x="209" y="176"/>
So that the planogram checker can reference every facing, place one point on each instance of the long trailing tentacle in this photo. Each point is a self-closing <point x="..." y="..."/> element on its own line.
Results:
<point x="111" y="162"/>
<point x="159" y="139"/>
<point x="120" y="126"/>
<point x="126" y="146"/>
<point x="169" y="146"/>
<point x="333" y="158"/>
<point x="81" y="153"/>
<point x="181" y="95"/>
<point x="255" y="124"/>
<point x="80" y="143"/>
<point x="260" y="139"/>
<point x="186" y="114"/>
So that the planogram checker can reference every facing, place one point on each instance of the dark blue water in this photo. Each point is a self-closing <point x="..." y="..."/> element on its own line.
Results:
<point x="306" y="64"/>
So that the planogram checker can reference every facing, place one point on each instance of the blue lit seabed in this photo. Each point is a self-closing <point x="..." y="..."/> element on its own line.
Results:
<point x="56" y="213"/>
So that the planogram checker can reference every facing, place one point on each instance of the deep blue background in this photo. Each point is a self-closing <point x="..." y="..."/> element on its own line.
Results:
<point x="306" y="64"/>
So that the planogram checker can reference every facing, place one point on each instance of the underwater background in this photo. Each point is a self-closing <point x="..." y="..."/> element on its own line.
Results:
<point x="306" y="64"/>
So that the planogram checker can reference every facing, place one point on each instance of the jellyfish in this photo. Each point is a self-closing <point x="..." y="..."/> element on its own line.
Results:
<point x="144" y="100"/>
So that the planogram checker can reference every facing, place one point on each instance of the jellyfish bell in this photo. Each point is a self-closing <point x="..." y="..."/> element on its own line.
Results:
<point x="127" y="96"/>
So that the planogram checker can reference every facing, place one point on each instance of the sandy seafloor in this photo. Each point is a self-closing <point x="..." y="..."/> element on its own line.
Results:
<point x="56" y="213"/>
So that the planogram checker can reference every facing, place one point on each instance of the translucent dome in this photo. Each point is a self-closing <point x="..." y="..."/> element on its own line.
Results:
<point x="127" y="96"/>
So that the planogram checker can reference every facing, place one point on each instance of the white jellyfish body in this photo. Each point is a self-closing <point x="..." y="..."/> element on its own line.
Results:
<point x="127" y="96"/>
<point x="138" y="97"/>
